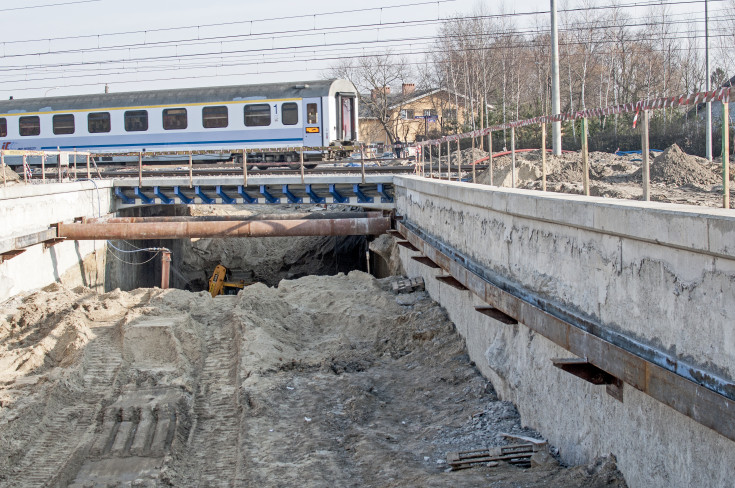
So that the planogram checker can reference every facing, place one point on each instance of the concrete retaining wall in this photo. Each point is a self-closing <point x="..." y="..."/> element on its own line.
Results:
<point x="663" y="275"/>
<point x="26" y="209"/>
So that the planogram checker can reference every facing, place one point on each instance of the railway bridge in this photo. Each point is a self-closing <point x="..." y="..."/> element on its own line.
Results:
<point x="609" y="323"/>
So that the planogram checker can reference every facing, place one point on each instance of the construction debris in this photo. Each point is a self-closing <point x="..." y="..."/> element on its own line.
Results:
<point x="518" y="454"/>
<point x="408" y="285"/>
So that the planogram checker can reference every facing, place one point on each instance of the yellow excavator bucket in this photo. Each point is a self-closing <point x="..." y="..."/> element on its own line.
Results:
<point x="217" y="281"/>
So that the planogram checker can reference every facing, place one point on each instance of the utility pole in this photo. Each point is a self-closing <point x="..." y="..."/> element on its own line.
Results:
<point x="707" y="87"/>
<point x="555" y="101"/>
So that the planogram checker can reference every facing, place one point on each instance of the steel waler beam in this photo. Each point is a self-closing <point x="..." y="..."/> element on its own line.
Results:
<point x="698" y="402"/>
<point x="260" y="228"/>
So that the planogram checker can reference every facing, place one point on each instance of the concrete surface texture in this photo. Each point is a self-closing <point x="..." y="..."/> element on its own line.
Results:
<point x="656" y="273"/>
<point x="30" y="208"/>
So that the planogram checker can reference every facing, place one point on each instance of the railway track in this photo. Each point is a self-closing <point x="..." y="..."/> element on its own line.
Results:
<point x="131" y="172"/>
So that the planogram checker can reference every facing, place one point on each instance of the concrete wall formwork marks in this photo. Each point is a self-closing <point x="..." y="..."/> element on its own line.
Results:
<point x="25" y="209"/>
<point x="658" y="274"/>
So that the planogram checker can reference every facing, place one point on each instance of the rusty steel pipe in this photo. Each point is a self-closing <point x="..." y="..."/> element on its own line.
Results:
<point x="165" y="269"/>
<point x="257" y="228"/>
<point x="235" y="218"/>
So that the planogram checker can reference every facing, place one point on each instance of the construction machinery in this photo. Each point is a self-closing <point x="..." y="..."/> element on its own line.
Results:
<point x="218" y="284"/>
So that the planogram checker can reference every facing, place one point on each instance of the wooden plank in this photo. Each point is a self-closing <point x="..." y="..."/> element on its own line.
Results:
<point x="698" y="402"/>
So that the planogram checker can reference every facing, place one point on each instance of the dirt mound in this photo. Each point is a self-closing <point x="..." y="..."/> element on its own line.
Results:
<point x="266" y="259"/>
<point x="675" y="167"/>
<point x="323" y="381"/>
<point x="11" y="177"/>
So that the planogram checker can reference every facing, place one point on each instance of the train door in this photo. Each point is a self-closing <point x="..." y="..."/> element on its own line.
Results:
<point x="313" y="126"/>
<point x="346" y="117"/>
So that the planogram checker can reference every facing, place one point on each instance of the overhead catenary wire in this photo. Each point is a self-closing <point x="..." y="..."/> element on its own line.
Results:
<point x="341" y="29"/>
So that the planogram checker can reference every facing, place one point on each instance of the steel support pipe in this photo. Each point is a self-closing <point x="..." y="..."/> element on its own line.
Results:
<point x="165" y="269"/>
<point x="236" y="218"/>
<point x="258" y="228"/>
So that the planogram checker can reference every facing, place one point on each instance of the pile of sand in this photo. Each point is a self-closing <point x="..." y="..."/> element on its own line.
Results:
<point x="11" y="177"/>
<point x="267" y="259"/>
<point x="675" y="167"/>
<point x="323" y="381"/>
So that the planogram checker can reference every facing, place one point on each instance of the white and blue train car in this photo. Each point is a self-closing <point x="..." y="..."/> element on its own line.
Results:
<point x="277" y="115"/>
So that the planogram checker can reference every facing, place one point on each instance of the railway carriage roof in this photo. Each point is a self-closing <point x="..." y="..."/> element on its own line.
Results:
<point x="183" y="96"/>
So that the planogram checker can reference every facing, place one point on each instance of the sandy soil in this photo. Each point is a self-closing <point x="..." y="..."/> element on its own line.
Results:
<point x="676" y="177"/>
<point x="323" y="381"/>
<point x="267" y="259"/>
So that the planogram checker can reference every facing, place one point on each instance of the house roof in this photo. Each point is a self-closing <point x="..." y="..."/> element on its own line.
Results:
<point x="398" y="100"/>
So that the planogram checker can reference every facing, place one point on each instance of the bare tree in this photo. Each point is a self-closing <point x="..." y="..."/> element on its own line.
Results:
<point x="373" y="76"/>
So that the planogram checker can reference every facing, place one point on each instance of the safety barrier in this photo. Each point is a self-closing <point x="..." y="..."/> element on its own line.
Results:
<point x="640" y="108"/>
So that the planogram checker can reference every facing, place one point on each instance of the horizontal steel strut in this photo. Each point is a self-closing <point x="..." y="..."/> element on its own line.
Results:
<point x="204" y="229"/>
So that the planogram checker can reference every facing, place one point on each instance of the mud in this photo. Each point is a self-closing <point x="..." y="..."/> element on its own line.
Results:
<point x="322" y="381"/>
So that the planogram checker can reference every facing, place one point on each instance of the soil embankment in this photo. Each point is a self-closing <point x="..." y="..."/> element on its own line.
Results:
<point x="322" y="381"/>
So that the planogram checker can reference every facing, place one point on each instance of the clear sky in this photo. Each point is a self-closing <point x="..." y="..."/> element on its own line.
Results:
<point x="225" y="42"/>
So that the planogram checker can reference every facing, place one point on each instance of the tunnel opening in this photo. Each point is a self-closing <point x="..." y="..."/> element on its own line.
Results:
<point x="265" y="260"/>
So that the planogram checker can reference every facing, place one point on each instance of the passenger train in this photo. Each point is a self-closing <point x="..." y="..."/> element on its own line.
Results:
<point x="279" y="115"/>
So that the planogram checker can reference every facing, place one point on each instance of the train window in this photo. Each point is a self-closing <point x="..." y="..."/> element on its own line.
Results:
<point x="30" y="126"/>
<point x="136" y="120"/>
<point x="214" y="117"/>
<point x="98" y="122"/>
<point x="312" y="114"/>
<point x="3" y="127"/>
<point x="290" y="113"/>
<point x="257" y="115"/>
<point x="63" y="124"/>
<point x="175" y="119"/>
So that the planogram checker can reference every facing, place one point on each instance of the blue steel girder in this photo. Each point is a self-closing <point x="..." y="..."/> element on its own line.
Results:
<point x="225" y="197"/>
<point x="268" y="197"/>
<point x="385" y="196"/>
<point x="159" y="193"/>
<point x="313" y="195"/>
<point x="291" y="197"/>
<point x="245" y="197"/>
<point x="335" y="194"/>
<point x="143" y="197"/>
<point x="361" y="197"/>
<point x="182" y="197"/>
<point x="200" y="193"/>
<point x="119" y="193"/>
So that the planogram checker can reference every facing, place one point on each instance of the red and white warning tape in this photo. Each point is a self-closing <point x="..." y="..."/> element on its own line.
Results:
<point x="720" y="95"/>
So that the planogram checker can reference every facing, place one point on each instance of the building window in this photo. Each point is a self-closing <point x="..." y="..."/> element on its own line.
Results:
<point x="290" y="113"/>
<point x="30" y="126"/>
<point x="3" y="127"/>
<point x="98" y="122"/>
<point x="312" y="113"/>
<point x="136" y="120"/>
<point x="63" y="124"/>
<point x="215" y="117"/>
<point x="429" y="112"/>
<point x="450" y="113"/>
<point x="407" y="114"/>
<point x="175" y="119"/>
<point x="257" y="115"/>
